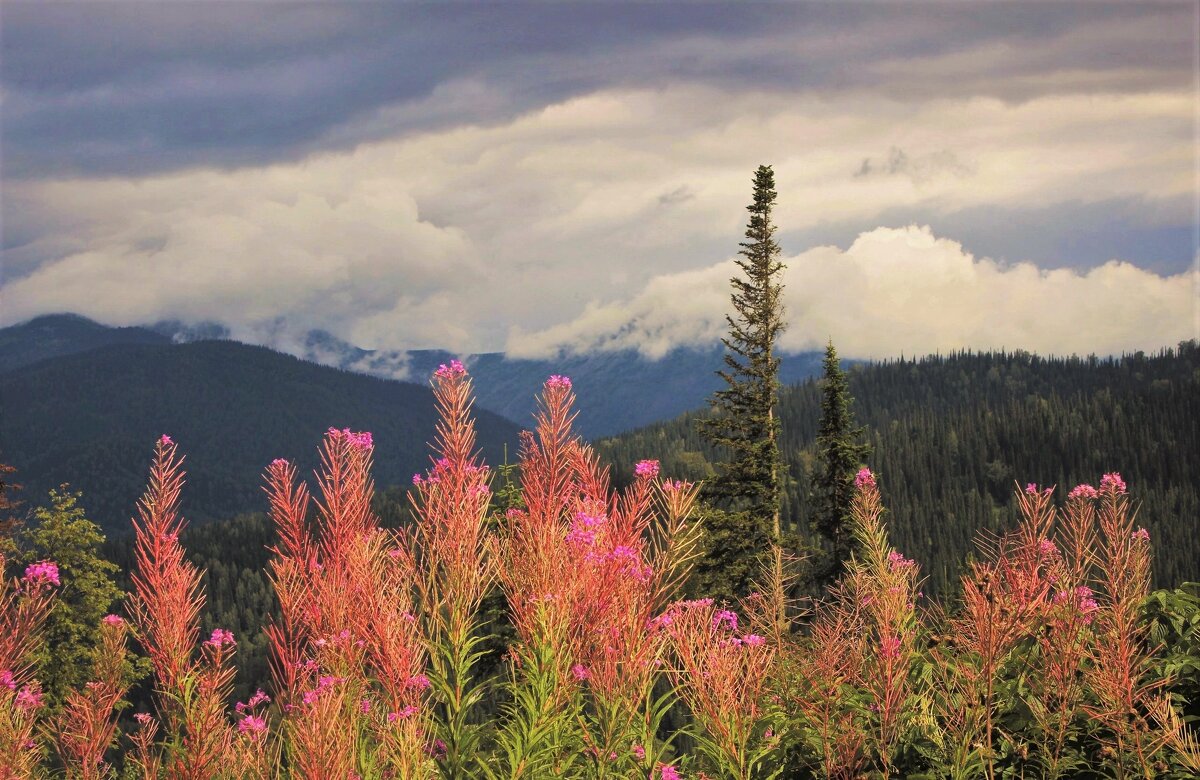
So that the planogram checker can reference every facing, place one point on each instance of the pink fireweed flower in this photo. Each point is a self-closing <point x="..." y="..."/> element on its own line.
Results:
<point x="451" y="370"/>
<point x="364" y="706"/>
<point x="864" y="478"/>
<point x="723" y="618"/>
<point x="1083" y="491"/>
<point x="559" y="381"/>
<point x="1112" y="482"/>
<point x="42" y="572"/>
<point x="580" y="672"/>
<point x="669" y="772"/>
<point x="112" y="620"/>
<point x="221" y="637"/>
<point x="29" y="698"/>
<point x="753" y="640"/>
<point x="1141" y="535"/>
<point x="639" y="752"/>
<point x="418" y="681"/>
<point x="252" y="725"/>
<point x="7" y="679"/>
<point x="165" y="440"/>
<point x="646" y="469"/>
<point x="897" y="561"/>
<point x="259" y="698"/>
<point x="403" y="714"/>
<point x="1031" y="489"/>
<point x="279" y="463"/>
<point x="1047" y="548"/>
<point x="889" y="647"/>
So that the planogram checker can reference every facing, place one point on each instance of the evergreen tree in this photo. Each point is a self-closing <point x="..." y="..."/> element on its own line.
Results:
<point x="744" y="422"/>
<point x="62" y="533"/>
<point x="840" y="454"/>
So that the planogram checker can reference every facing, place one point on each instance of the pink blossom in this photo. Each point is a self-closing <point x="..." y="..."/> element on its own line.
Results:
<point x="897" y="561"/>
<point x="1083" y="491"/>
<point x="29" y="697"/>
<point x="165" y="440"/>
<point x="672" y="485"/>
<point x="1141" y="535"/>
<point x="112" y="620"/>
<point x="754" y="640"/>
<point x="7" y="679"/>
<point x="669" y="772"/>
<point x="143" y="718"/>
<point x="403" y="714"/>
<point x="221" y="637"/>
<point x="418" y="681"/>
<point x="639" y="752"/>
<point x="724" y="618"/>
<point x="889" y="647"/>
<point x="40" y="572"/>
<point x="1112" y="482"/>
<point x="580" y="672"/>
<point x="646" y="469"/>
<point x="864" y="478"/>
<point x="450" y="371"/>
<point x="364" y="706"/>
<point x="279" y="463"/>
<point x="259" y="698"/>
<point x="437" y="749"/>
<point x="252" y="725"/>
<point x="559" y="382"/>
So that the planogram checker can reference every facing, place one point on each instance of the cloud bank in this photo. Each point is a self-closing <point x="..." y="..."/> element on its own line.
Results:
<point x="898" y="291"/>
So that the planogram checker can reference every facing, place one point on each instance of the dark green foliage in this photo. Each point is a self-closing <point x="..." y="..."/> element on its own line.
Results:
<point x="840" y="454"/>
<point x="951" y="434"/>
<point x="743" y="426"/>
<point x="1174" y="628"/>
<point x="62" y="533"/>
<point x="734" y="543"/>
<point x="92" y="419"/>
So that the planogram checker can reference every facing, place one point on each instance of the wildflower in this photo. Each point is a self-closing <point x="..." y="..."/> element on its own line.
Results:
<point x="1112" y="482"/>
<point x="669" y="772"/>
<point x="864" y="478"/>
<point x="559" y="381"/>
<point x="418" y="681"/>
<point x="1031" y="489"/>
<point x="580" y="672"/>
<point x="672" y="485"/>
<point x="1141" y="535"/>
<point x="723" y="617"/>
<point x="897" y="561"/>
<point x="112" y="620"/>
<point x="165" y="440"/>
<point x="221" y="637"/>
<point x="252" y="725"/>
<point x="29" y="697"/>
<point x="403" y="714"/>
<point x="450" y="371"/>
<point x="7" y="680"/>
<point x="259" y="698"/>
<point x="279" y="463"/>
<point x="40" y="572"/>
<point x="364" y="706"/>
<point x="144" y="718"/>
<point x="889" y="647"/>
<point x="1047" y="548"/>
<point x="639" y="752"/>
<point x="437" y="749"/>
<point x="1083" y="491"/>
<point x="754" y="640"/>
<point x="646" y="469"/>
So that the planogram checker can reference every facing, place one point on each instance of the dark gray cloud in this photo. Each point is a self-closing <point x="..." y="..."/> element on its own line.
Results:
<point x="127" y="88"/>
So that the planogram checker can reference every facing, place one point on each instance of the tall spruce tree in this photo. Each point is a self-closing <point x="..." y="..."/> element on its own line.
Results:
<point x="746" y="492"/>
<point x="840" y="454"/>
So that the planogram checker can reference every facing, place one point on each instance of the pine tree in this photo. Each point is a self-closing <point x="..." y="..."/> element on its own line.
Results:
<point x="744" y="422"/>
<point x="840" y="454"/>
<point x="62" y="533"/>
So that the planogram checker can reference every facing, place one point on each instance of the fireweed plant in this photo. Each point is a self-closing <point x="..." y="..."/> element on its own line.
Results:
<point x="1043" y="669"/>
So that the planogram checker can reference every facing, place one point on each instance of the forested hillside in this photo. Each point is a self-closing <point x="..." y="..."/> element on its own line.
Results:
<point x="91" y="420"/>
<point x="951" y="436"/>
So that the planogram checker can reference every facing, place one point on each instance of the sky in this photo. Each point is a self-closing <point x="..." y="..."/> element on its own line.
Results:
<point x="559" y="178"/>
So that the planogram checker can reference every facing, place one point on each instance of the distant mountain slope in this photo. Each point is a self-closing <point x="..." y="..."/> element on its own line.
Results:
<point x="91" y="419"/>
<point x="617" y="391"/>
<point x="56" y="335"/>
<point x="952" y="435"/>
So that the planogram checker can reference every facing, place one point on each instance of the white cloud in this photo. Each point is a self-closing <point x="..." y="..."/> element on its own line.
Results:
<point x="898" y="291"/>
<point x="452" y="237"/>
